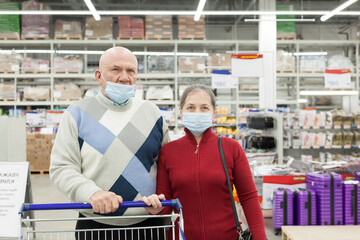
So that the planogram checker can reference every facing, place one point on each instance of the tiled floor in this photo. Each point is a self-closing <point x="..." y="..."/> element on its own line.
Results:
<point x="43" y="191"/>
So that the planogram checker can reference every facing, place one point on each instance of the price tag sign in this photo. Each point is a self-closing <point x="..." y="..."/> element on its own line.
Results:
<point x="223" y="79"/>
<point x="13" y="180"/>
<point x="337" y="78"/>
<point x="247" y="65"/>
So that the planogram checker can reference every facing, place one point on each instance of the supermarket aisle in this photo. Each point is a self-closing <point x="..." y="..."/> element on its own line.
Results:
<point x="44" y="191"/>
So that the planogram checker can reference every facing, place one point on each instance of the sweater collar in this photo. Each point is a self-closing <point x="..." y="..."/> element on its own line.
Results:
<point x="100" y="97"/>
<point x="207" y="134"/>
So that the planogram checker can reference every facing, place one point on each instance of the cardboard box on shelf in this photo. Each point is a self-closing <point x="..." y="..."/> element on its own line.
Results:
<point x="38" y="147"/>
<point x="102" y="29"/>
<point x="158" y="27"/>
<point x="30" y="65"/>
<point x="37" y="93"/>
<point x="67" y="30"/>
<point x="35" y="26"/>
<point x="189" y="29"/>
<point x="7" y="91"/>
<point x="68" y="91"/>
<point x="191" y="64"/>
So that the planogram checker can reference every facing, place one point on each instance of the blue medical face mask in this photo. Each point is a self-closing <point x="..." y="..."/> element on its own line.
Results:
<point x="119" y="93"/>
<point x="197" y="123"/>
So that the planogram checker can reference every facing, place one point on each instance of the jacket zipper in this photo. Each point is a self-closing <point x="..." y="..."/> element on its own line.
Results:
<point x="198" y="190"/>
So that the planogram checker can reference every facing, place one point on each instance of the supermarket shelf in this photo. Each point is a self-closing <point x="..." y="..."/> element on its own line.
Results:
<point x="224" y="125"/>
<point x="323" y="147"/>
<point x="317" y="128"/>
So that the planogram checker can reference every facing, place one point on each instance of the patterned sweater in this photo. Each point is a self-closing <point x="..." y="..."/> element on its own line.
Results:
<point x="100" y="146"/>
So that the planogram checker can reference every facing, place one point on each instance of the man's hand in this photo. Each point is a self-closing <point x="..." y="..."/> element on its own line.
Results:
<point x="154" y="202"/>
<point x="105" y="201"/>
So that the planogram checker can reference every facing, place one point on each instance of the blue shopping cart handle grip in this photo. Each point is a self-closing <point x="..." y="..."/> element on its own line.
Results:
<point x="62" y="206"/>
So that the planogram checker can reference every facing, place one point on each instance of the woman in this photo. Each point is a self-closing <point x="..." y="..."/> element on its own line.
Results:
<point x="190" y="169"/>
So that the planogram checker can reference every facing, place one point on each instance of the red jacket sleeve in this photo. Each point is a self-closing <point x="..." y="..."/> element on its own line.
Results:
<point x="247" y="193"/>
<point x="163" y="182"/>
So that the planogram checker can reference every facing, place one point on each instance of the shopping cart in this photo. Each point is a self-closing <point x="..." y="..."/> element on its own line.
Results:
<point x="28" y="231"/>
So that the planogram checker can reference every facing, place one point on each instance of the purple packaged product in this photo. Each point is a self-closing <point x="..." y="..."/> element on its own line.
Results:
<point x="329" y="199"/>
<point x="357" y="176"/>
<point x="305" y="207"/>
<point x="351" y="202"/>
<point x="283" y="208"/>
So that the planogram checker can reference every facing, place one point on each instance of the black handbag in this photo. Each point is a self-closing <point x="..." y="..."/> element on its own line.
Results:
<point x="243" y="235"/>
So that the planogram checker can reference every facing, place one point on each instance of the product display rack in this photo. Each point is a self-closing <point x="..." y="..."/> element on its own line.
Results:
<point x="286" y="95"/>
<point x="315" y="80"/>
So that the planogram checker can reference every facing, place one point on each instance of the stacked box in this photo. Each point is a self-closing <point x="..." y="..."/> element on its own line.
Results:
<point x="137" y="28"/>
<point x="10" y="63"/>
<point x="68" y="64"/>
<point x="158" y="27"/>
<point x="67" y="92"/>
<point x="37" y="93"/>
<point x="130" y="27"/>
<point x="9" y="24"/>
<point x="285" y="62"/>
<point x="312" y="64"/>
<point x="285" y="30"/>
<point x="35" y="26"/>
<point x="191" y="64"/>
<point x="124" y="23"/>
<point x="38" y="147"/>
<point x="102" y="29"/>
<point x="189" y="29"/>
<point x="7" y="91"/>
<point x="163" y="64"/>
<point x="218" y="61"/>
<point x="30" y="65"/>
<point x="67" y="30"/>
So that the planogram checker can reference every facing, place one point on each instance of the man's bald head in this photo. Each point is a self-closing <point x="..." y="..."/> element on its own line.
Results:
<point x="115" y="52"/>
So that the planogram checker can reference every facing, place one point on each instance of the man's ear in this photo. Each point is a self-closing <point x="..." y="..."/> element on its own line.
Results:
<point x="98" y="76"/>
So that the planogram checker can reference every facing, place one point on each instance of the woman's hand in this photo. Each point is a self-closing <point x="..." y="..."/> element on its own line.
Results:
<point x="154" y="202"/>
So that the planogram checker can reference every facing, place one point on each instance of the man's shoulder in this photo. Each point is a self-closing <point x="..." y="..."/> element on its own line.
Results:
<point x="146" y="104"/>
<point x="83" y="102"/>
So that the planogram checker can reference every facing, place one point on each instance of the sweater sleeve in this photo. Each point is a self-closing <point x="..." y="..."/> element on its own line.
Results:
<point x="163" y="181"/>
<point x="247" y="193"/>
<point x="65" y="164"/>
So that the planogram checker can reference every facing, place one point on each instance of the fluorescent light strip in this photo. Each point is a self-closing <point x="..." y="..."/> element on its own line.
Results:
<point x="337" y="10"/>
<point x="328" y="93"/>
<point x="199" y="10"/>
<point x="79" y="52"/>
<point x="92" y="9"/>
<point x="177" y="13"/>
<point x="310" y="53"/>
<point x="280" y="20"/>
<point x="302" y="100"/>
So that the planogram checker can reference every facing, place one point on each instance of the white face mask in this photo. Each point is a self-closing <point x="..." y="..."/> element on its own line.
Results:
<point x="119" y="93"/>
<point x="197" y="123"/>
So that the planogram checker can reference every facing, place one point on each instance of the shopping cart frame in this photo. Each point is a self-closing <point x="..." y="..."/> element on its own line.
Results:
<point x="29" y="223"/>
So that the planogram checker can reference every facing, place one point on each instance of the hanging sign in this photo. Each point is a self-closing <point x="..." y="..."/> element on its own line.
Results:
<point x="337" y="78"/>
<point x="223" y="79"/>
<point x="247" y="65"/>
<point x="13" y="180"/>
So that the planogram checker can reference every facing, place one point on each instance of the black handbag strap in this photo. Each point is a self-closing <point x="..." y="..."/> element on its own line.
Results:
<point x="229" y="186"/>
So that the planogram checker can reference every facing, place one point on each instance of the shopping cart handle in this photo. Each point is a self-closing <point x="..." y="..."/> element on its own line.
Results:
<point x="62" y="206"/>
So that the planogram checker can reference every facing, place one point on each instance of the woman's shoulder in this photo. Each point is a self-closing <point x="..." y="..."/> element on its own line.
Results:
<point x="174" y="144"/>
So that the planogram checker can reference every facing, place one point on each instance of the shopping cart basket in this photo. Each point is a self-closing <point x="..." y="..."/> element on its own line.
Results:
<point x="28" y="231"/>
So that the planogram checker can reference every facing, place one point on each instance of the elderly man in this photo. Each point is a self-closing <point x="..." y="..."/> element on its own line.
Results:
<point x="106" y="147"/>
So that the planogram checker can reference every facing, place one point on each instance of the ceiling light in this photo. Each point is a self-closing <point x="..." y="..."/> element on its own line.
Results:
<point x="337" y="10"/>
<point x="92" y="9"/>
<point x="328" y="93"/>
<point x="281" y="20"/>
<point x="199" y="10"/>
<point x="301" y="100"/>
<point x="310" y="53"/>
